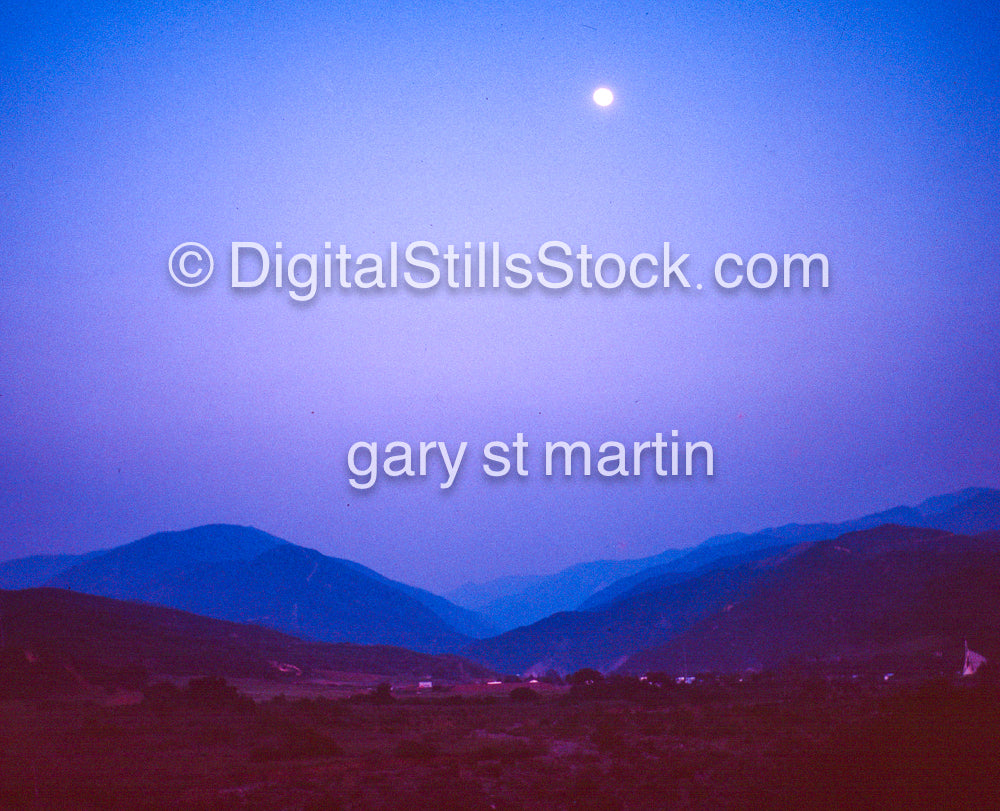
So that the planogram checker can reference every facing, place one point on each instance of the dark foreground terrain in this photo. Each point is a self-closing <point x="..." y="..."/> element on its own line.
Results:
<point x="614" y="744"/>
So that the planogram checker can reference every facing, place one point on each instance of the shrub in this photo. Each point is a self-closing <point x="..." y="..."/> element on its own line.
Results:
<point x="382" y="694"/>
<point x="211" y="692"/>
<point x="585" y="676"/>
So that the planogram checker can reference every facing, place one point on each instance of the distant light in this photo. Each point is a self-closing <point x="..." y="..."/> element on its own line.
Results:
<point x="603" y="97"/>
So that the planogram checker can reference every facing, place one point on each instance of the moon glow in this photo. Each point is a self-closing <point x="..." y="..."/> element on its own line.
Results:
<point x="603" y="97"/>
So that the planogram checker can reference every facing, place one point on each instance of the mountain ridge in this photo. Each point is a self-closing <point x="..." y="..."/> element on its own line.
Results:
<point x="893" y="593"/>
<point x="901" y="581"/>
<point x="245" y="575"/>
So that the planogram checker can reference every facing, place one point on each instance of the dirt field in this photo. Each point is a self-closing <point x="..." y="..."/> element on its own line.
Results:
<point x="621" y="746"/>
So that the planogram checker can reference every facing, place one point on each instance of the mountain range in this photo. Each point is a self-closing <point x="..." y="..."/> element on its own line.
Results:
<point x="662" y="606"/>
<point x="242" y="574"/>
<point x="510" y="603"/>
<point x="739" y="601"/>
<point x="893" y="598"/>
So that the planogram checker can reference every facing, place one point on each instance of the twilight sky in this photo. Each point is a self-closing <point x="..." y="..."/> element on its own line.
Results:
<point x="130" y="404"/>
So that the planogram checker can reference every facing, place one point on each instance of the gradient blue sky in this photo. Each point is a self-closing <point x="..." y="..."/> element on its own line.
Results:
<point x="130" y="405"/>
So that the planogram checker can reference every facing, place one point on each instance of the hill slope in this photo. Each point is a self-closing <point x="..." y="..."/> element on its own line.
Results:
<point x="897" y="596"/>
<point x="969" y="511"/>
<point x="25" y="573"/>
<point x="515" y="601"/>
<point x="91" y="638"/>
<point x="604" y="638"/>
<point x="865" y="596"/>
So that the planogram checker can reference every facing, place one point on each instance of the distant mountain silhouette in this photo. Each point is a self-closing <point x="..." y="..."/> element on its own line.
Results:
<point x="517" y="601"/>
<point x="896" y="596"/>
<point x="245" y="575"/>
<point x="977" y="512"/>
<point x="523" y="600"/>
<point x="664" y="602"/>
<point x="25" y="573"/>
<point x="968" y="511"/>
<point x="479" y="594"/>
<point x="733" y="602"/>
<point x="604" y="638"/>
<point x="62" y="636"/>
<point x="466" y="622"/>
<point x="903" y="597"/>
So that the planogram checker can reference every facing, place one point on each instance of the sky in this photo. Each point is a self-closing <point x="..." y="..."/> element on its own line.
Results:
<point x="131" y="404"/>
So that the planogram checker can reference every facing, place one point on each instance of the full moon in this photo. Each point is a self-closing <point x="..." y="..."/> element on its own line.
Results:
<point x="603" y="97"/>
